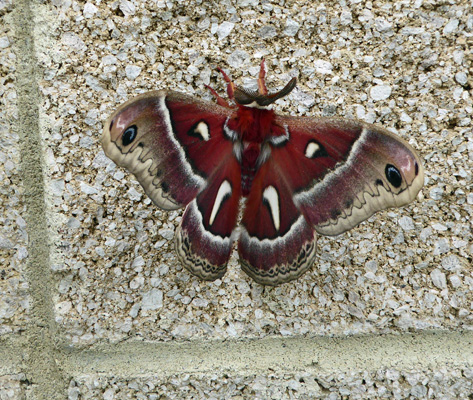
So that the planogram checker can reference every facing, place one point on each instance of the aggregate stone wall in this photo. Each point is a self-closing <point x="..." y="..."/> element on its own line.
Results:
<point x="93" y="302"/>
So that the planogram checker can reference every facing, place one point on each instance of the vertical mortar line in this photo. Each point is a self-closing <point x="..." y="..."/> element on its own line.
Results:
<point x="40" y="354"/>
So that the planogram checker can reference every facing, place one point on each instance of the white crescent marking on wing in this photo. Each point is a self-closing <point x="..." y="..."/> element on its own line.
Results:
<point x="270" y="194"/>
<point x="203" y="130"/>
<point x="311" y="149"/>
<point x="224" y="190"/>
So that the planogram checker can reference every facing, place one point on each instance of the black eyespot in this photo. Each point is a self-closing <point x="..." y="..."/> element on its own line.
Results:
<point x="129" y="135"/>
<point x="334" y="214"/>
<point x="416" y="169"/>
<point x="164" y="187"/>
<point x="393" y="175"/>
<point x="111" y="125"/>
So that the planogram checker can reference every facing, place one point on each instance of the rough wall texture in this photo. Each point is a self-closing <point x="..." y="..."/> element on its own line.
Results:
<point x="93" y="303"/>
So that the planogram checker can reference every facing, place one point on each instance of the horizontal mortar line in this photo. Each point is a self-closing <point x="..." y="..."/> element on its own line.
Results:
<point x="433" y="349"/>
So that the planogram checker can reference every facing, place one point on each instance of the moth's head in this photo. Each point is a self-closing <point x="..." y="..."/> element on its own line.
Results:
<point x="246" y="97"/>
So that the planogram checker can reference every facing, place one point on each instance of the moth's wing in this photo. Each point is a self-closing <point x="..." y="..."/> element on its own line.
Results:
<point x="276" y="243"/>
<point x="342" y="172"/>
<point x="171" y="143"/>
<point x="204" y="239"/>
<point x="176" y="148"/>
<point x="327" y="175"/>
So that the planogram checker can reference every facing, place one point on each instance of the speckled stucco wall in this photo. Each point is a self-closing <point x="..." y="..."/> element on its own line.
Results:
<point x="93" y="303"/>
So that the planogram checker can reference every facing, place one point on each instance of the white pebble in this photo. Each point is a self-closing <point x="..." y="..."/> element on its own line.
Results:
<point x="198" y="302"/>
<point x="451" y="263"/>
<point x="346" y="17"/>
<point x="371" y="266"/>
<point x="458" y="56"/>
<point x="406" y="223"/>
<point x="412" y="30"/>
<point x="461" y="78"/>
<point x="89" y="10"/>
<point x="439" y="227"/>
<point x="419" y="392"/>
<point x="231" y="331"/>
<point x="392" y="374"/>
<point x="138" y="262"/>
<point x="63" y="307"/>
<point x="119" y="175"/>
<point x="109" y="394"/>
<point x="294" y="385"/>
<point x="213" y="28"/>
<point x="399" y="238"/>
<point x="57" y="187"/>
<point x="323" y="67"/>
<point x="93" y="83"/>
<point x="152" y="300"/>
<point x="360" y="111"/>
<point x="380" y="92"/>
<point x="109" y="60"/>
<point x="224" y="29"/>
<point x="73" y="223"/>
<point x="5" y="243"/>
<point x="193" y="70"/>
<point x="133" y="194"/>
<point x="438" y="278"/>
<point x="203" y="24"/>
<point x="4" y="42"/>
<point x="22" y="253"/>
<point x="132" y="71"/>
<point x="237" y="58"/>
<point x="455" y="280"/>
<point x="292" y="27"/>
<point x="382" y="25"/>
<point x="458" y="243"/>
<point x="436" y="193"/>
<point x="133" y="314"/>
<point x="72" y="40"/>
<point x="127" y="7"/>
<point x="266" y="32"/>
<point x="469" y="198"/>
<point x="441" y="246"/>
<point x="87" y="189"/>
<point x="167" y="234"/>
<point x="451" y="26"/>
<point x="406" y="118"/>
<point x="137" y="282"/>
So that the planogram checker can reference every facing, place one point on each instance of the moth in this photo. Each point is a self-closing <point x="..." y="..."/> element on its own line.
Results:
<point x="299" y="176"/>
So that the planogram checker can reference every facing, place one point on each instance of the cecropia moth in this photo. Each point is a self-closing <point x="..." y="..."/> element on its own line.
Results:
<point x="299" y="175"/>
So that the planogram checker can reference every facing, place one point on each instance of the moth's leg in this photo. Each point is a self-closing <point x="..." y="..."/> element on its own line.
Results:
<point x="261" y="84"/>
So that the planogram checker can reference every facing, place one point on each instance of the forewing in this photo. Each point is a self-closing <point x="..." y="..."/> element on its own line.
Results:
<point x="341" y="172"/>
<point x="171" y="142"/>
